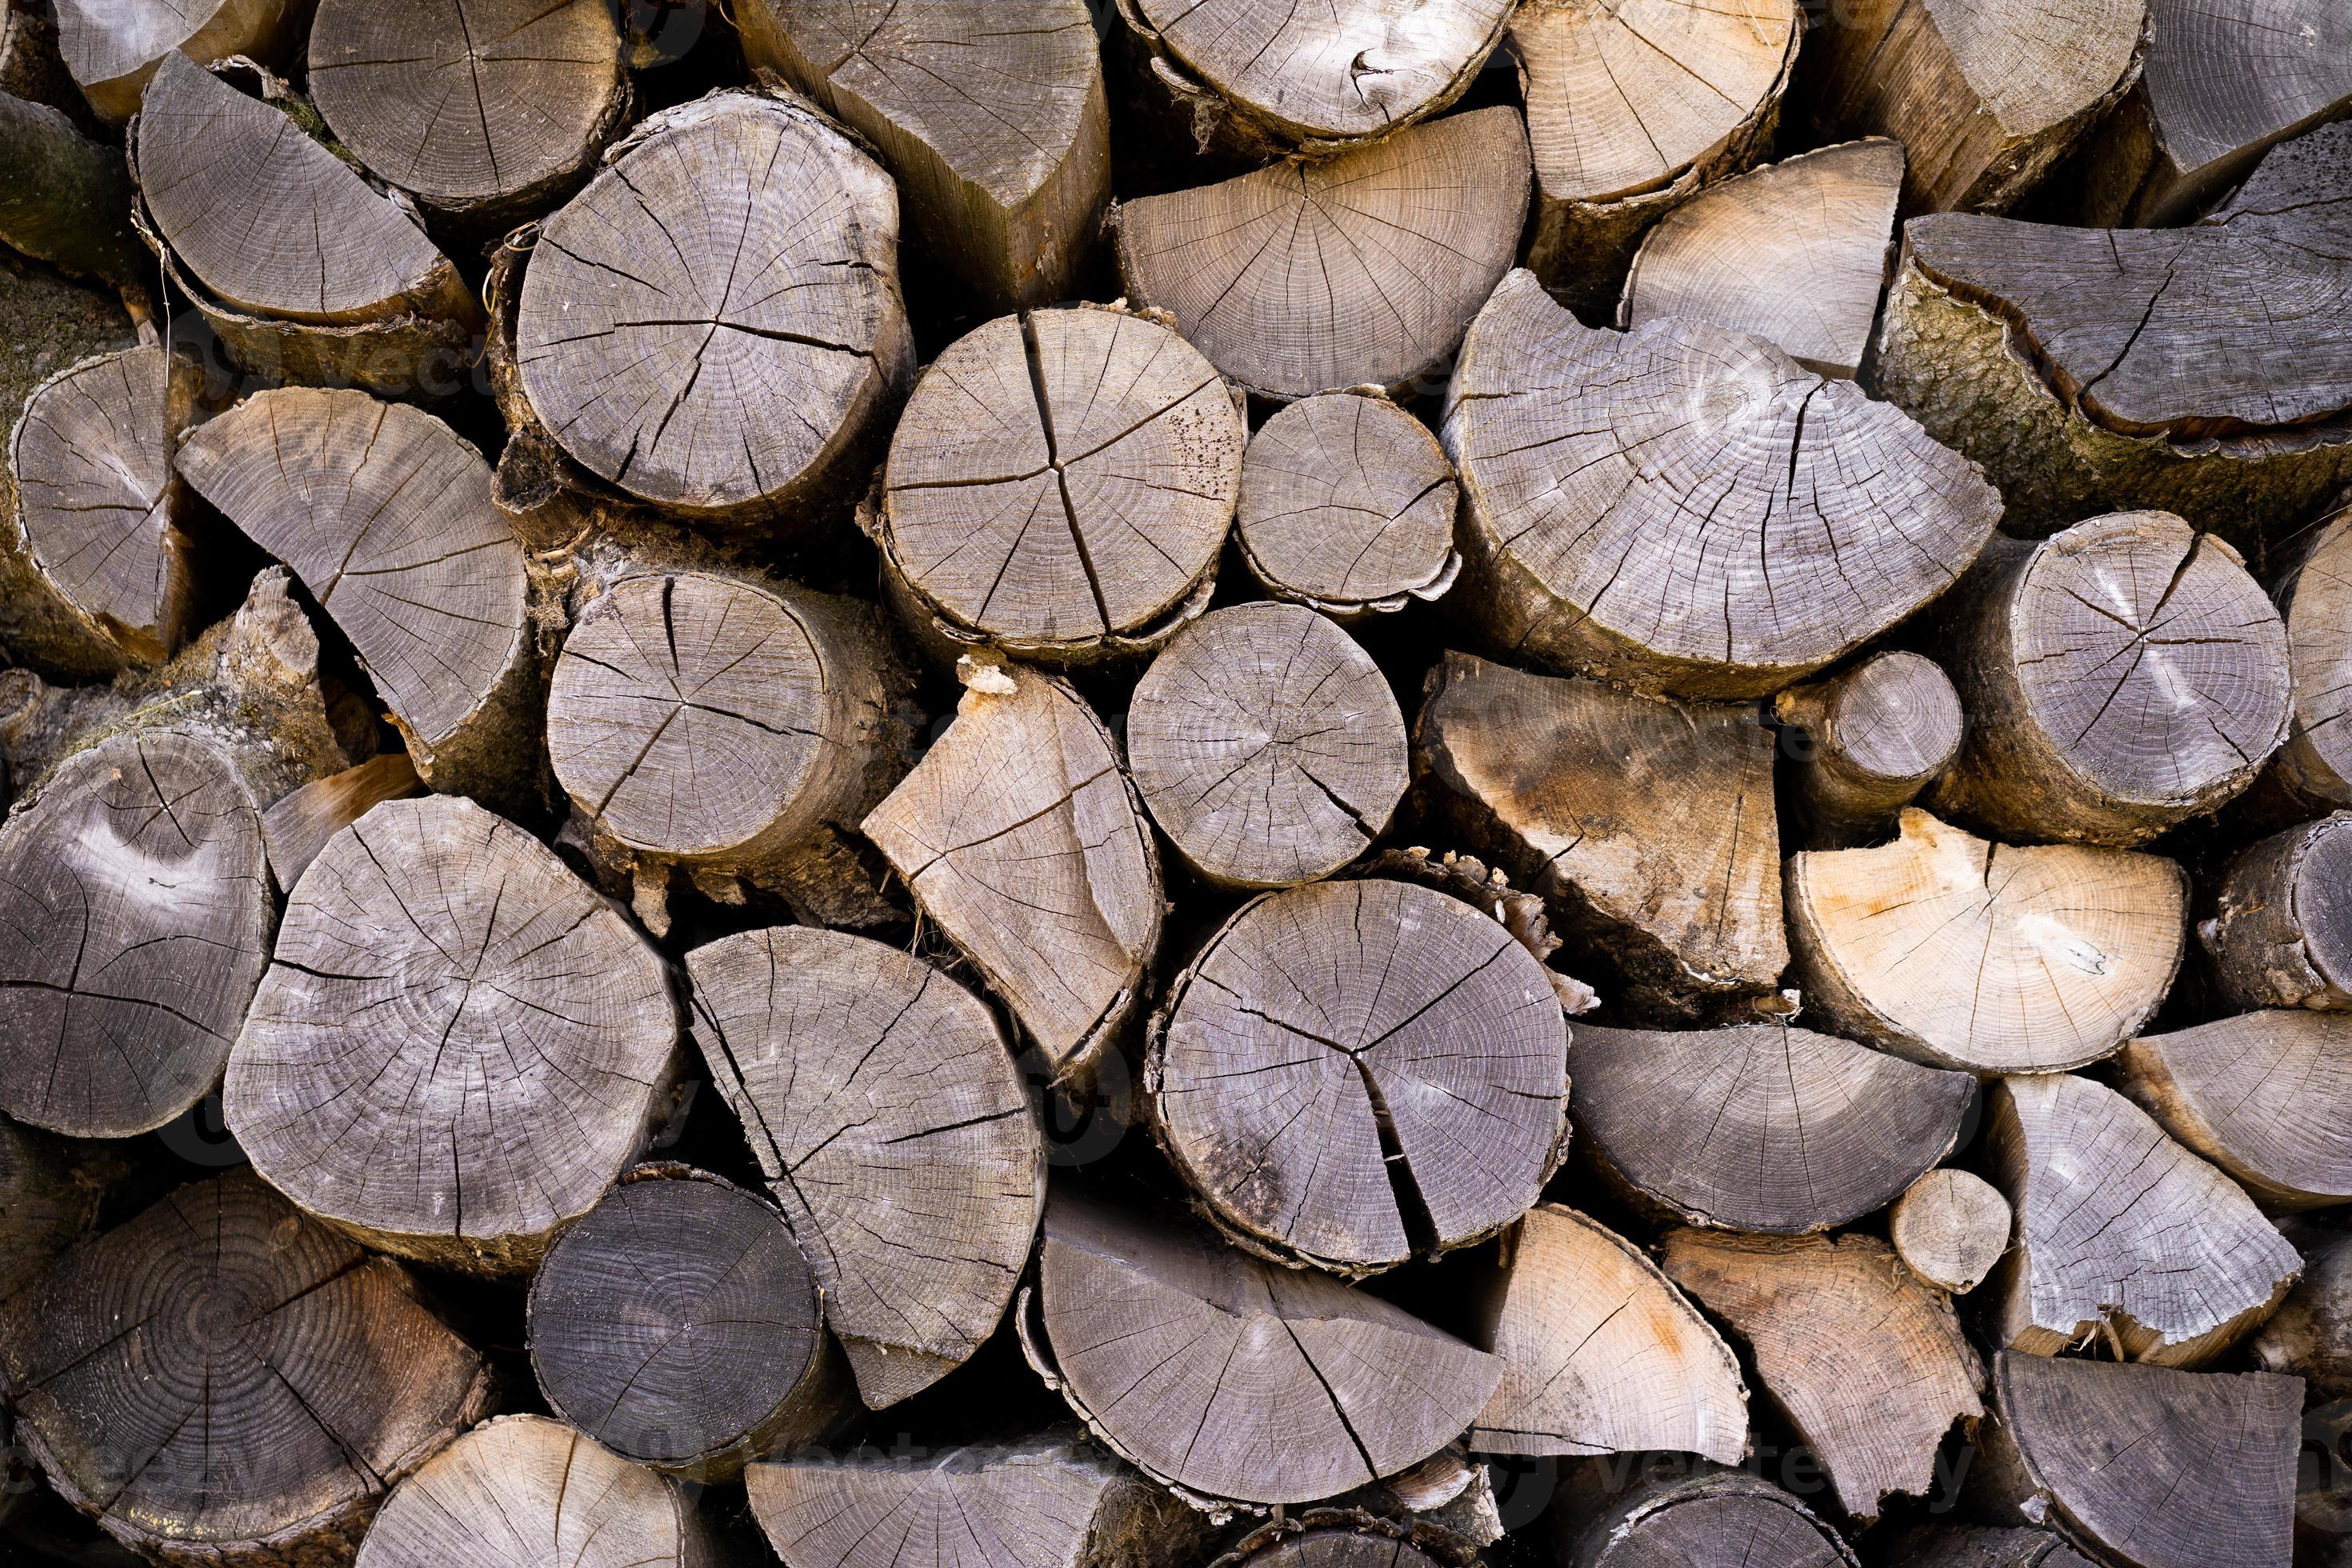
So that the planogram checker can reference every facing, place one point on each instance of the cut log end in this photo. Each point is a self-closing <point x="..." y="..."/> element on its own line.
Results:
<point x="1950" y="1228"/>
<point x="2281" y="931"/>
<point x="2266" y="1096"/>
<point x="2316" y="600"/>
<point x="1875" y="735"/>
<point x="113" y="50"/>
<point x="1671" y="1510"/>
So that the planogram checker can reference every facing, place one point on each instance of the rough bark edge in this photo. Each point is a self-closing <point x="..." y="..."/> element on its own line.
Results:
<point x="1414" y="1531"/>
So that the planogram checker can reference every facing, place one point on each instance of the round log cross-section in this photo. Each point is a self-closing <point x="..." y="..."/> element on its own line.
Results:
<point x="457" y="1046"/>
<point x="1355" y="1072"/>
<point x="1875" y="735"/>
<point x="1705" y="1518"/>
<point x="2315" y="598"/>
<point x="1950" y="1228"/>
<point x="1339" y="1547"/>
<point x="136" y="906"/>
<point x="2281" y="929"/>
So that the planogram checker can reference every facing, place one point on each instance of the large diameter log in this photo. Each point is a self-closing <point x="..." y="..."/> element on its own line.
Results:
<point x="1023" y="840"/>
<point x="523" y="1491"/>
<point x="2281" y="931"/>
<point x="2310" y="1336"/>
<point x="68" y="199"/>
<point x="886" y="1116"/>
<point x="1360" y="269"/>
<point x="1601" y="1354"/>
<point x="1233" y="1379"/>
<point x="1964" y="953"/>
<point x="1060" y="486"/>
<point x="2120" y="677"/>
<point x="1874" y="735"/>
<point x="730" y="394"/>
<point x="1632" y="108"/>
<point x="1763" y="1127"/>
<point x="1631" y="495"/>
<point x="1648" y="825"/>
<point x="1985" y="99"/>
<point x="225" y="1382"/>
<point x="458" y="1046"/>
<point x="991" y="116"/>
<point x="1053" y="1501"/>
<point x="2315" y="598"/>
<point x="1354" y="1073"/>
<point x="1794" y="253"/>
<point x="1267" y="746"/>
<point x="542" y="92"/>
<point x="114" y="48"/>
<point x="1624" y="1512"/>
<point x="2151" y="1466"/>
<point x="2107" y="1207"/>
<point x="2266" y="1096"/>
<point x="385" y="515"/>
<point x="1950" y="1228"/>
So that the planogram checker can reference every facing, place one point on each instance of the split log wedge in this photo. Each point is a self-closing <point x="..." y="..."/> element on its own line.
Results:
<point x="1872" y="737"/>
<point x="114" y="48"/>
<point x="2281" y="931"/>
<point x="2314" y="598"/>
<point x="1624" y="1512"/>
<point x="1950" y="1228"/>
<point x="2266" y="1096"/>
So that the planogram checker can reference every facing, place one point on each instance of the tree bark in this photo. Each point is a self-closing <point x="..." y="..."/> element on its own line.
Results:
<point x="1763" y="1127"/>
<point x="1646" y="824"/>
<point x="518" y="1041"/>
<point x="1233" y="1380"/>
<point x="1059" y="488"/>
<point x="1950" y="1228"/>
<point x="1873" y="737"/>
<point x="114" y="47"/>
<point x="887" y="1115"/>
<point x="1632" y="109"/>
<point x="523" y="1491"/>
<point x="1353" y="1074"/>
<point x="68" y="199"/>
<point x="2310" y="1336"/>
<point x="1631" y="1512"/>
<point x="1267" y="746"/>
<point x="1338" y="1544"/>
<point x="2107" y="1207"/>
<point x="1360" y="269"/>
<point x="1601" y="1354"/>
<point x="1794" y="253"/>
<point x="2281" y="931"/>
<point x="994" y="119"/>
<point x="1347" y="506"/>
<point x="300" y="825"/>
<point x="1630" y="495"/>
<point x="1981" y="1546"/>
<point x="2315" y="598"/>
<point x="1963" y="954"/>
<point x="2266" y="1096"/>
<point x="1021" y="838"/>
<point x="32" y="67"/>
<point x="222" y="1312"/>
<point x="50" y="1189"/>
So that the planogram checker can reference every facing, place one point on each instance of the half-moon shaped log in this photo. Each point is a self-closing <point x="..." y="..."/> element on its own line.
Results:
<point x="714" y="325"/>
<point x="2266" y="1096"/>
<point x="135" y="904"/>
<point x="224" y="1380"/>
<point x="2281" y="931"/>
<point x="1687" y="1514"/>
<point x="112" y="48"/>
<point x="1601" y="1354"/>
<point x="1630" y="494"/>
<point x="1950" y="1228"/>
<point x="885" y="1110"/>
<point x="1232" y="1378"/>
<point x="2314" y="596"/>
<point x="1360" y="269"/>
<point x="459" y="1046"/>
<point x="1352" y="1073"/>
<point x="1964" y="953"/>
<point x="1762" y="1126"/>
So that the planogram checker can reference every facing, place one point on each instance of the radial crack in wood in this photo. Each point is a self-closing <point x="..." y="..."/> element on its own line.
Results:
<point x="1867" y="741"/>
<point x="2280" y="934"/>
<point x="2315" y="598"/>
<point x="1950" y="1228"/>
<point x="114" y="48"/>
<point x="1668" y="1509"/>
<point x="2266" y="1096"/>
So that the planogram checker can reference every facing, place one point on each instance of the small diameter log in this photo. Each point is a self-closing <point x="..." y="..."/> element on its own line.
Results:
<point x="223" y="1382"/>
<point x="1232" y="1379"/>
<point x="99" y="518"/>
<point x="1601" y="1354"/>
<point x="114" y="47"/>
<point x="992" y="118"/>
<point x="2310" y="1336"/>
<point x="305" y="271"/>
<point x="1267" y="746"/>
<point x="1360" y="269"/>
<point x="888" y="1118"/>
<point x="1053" y="1501"/>
<point x="385" y="515"/>
<point x="1986" y="99"/>
<point x="733" y="725"/>
<point x="1627" y="1512"/>
<point x="68" y="198"/>
<point x="2315" y="598"/>
<point x="1874" y="736"/>
<point x="1022" y="839"/>
<point x="734" y="395"/>
<point x="50" y="1189"/>
<point x="300" y="825"/>
<point x="2108" y="1207"/>
<point x="2120" y="678"/>
<point x="1949" y="1228"/>
<point x="1353" y="1074"/>
<point x="2149" y="1466"/>
<point x="679" y="1325"/>
<point x="1964" y="953"/>
<point x="1763" y="1127"/>
<point x="2281" y="931"/>
<point x="2266" y="1096"/>
<point x="1870" y="1364"/>
<point x="523" y="1491"/>
<point x="1059" y="487"/>
<point x="1347" y="506"/>
<point x="1794" y="253"/>
<point x="1632" y="108"/>
<point x="457" y="1046"/>
<point x="137" y="906"/>
<point x="540" y="92"/>
<point x="1631" y="494"/>
<point x="1646" y="824"/>
<point x="1984" y="1546"/>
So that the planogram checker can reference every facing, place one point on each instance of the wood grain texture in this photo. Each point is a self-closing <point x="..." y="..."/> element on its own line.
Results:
<point x="300" y="822"/>
<point x="2314" y="599"/>
<point x="1676" y="1513"/>
<point x="2266" y="1096"/>
<point x="2280" y="930"/>
<point x="1950" y="1228"/>
<point x="1872" y="737"/>
<point x="114" y="48"/>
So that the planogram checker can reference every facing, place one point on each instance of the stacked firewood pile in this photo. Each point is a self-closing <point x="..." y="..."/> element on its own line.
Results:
<point x="1138" y="783"/>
